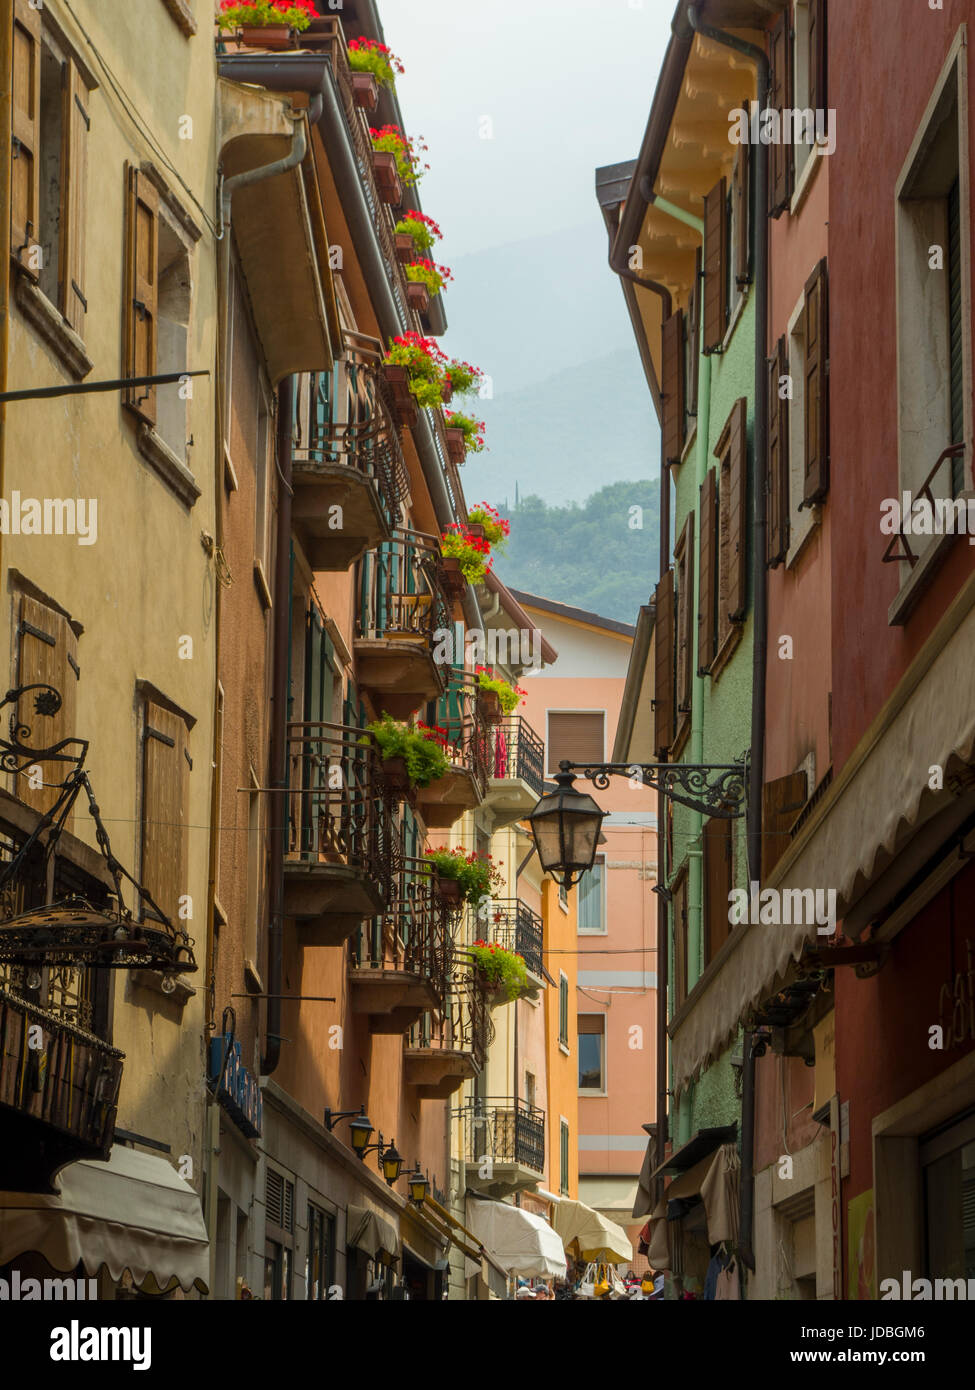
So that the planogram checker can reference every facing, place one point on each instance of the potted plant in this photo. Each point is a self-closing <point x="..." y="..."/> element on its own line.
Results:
<point x="488" y="522"/>
<point x="396" y="161"/>
<point x="502" y="972"/>
<point x="414" y="364"/>
<point x="267" y="24"/>
<point x="373" y="66"/>
<point x="412" y="757"/>
<point x="421" y="230"/>
<point x="498" y="697"/>
<point x="473" y="555"/>
<point x="465" y="435"/>
<point x="464" y="877"/>
<point x="465" y="379"/>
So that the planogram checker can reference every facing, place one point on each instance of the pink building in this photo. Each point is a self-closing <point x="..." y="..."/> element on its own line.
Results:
<point x="576" y="707"/>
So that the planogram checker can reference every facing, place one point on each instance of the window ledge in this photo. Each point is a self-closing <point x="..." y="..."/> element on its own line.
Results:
<point x="805" y="180"/>
<point x="172" y="470"/>
<point x="815" y="516"/>
<point x="263" y="588"/>
<point x="923" y="572"/>
<point x="564" y="1048"/>
<point x="63" y="341"/>
<point x="691" y="443"/>
<point x="727" y="650"/>
<point x="736" y="313"/>
<point x="182" y="16"/>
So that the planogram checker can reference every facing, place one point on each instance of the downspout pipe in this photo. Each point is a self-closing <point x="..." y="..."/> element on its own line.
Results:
<point x="756" y="776"/>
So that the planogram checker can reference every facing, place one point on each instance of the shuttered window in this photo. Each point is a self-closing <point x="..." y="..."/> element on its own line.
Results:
<point x="672" y="388"/>
<point x="563" y="1009"/>
<point x="684" y="565"/>
<point x="782" y="800"/>
<point x="592" y="1051"/>
<point x="817" y="56"/>
<point x="715" y="266"/>
<point x="718" y="883"/>
<point x="576" y="738"/>
<point x="74" y="179"/>
<point x="777" y="481"/>
<point x="741" y="221"/>
<point x="663" y="653"/>
<point x="165" y="793"/>
<point x="26" y="135"/>
<point x="47" y="656"/>
<point x="780" y="153"/>
<point x="816" y="387"/>
<point x="679" y="905"/>
<point x="707" y="607"/>
<point x="732" y="451"/>
<point x="140" y="311"/>
<point x="564" y="1158"/>
<point x="692" y="356"/>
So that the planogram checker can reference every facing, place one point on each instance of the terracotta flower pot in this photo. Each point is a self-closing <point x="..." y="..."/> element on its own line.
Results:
<point x="447" y="390"/>
<point x="452" y="576"/>
<point x="365" y="90"/>
<point x="475" y="530"/>
<point x="395" y="775"/>
<point x="405" y="249"/>
<point x="449" y="889"/>
<point x="456" y="447"/>
<point x="489" y="704"/>
<point x="270" y="37"/>
<point x="494" y="992"/>
<point x="418" y="296"/>
<point x="387" y="177"/>
<point x="404" y="404"/>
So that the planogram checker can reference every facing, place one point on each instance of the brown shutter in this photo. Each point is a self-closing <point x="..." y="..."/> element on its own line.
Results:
<point x="780" y="154"/>
<point x="741" y="204"/>
<point x="663" y="651"/>
<point x="735" y="478"/>
<point x="715" y="266"/>
<point x="25" y="185"/>
<point x="816" y="387"/>
<point x="47" y="655"/>
<point x="165" y="782"/>
<point x="576" y="738"/>
<point x="717" y="846"/>
<point x="694" y="335"/>
<point x="672" y="392"/>
<point x="680" y="940"/>
<point x="706" y="630"/>
<point x="141" y="264"/>
<point x="777" y="483"/>
<point x="684" y="555"/>
<point x="74" y="174"/>
<point x="818" y="99"/>
<point x="782" y="800"/>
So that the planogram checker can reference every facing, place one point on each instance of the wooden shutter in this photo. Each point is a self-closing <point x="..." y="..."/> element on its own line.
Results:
<point x="715" y="266"/>
<point x="706" y="630"/>
<point x="818" y="99"/>
<point x="576" y="738"/>
<point x="741" y="204"/>
<point x="165" y="786"/>
<point x="777" y="480"/>
<point x="694" y="336"/>
<point x="816" y="464"/>
<point x="684" y="557"/>
<point x="780" y="154"/>
<point x="663" y="654"/>
<point x="672" y="388"/>
<point x="718" y="883"/>
<point x="74" y="175"/>
<point x="47" y="655"/>
<point x="25" y="184"/>
<point x="782" y="800"/>
<point x="734" y="508"/>
<point x="141" y="265"/>
<point x="680" y="940"/>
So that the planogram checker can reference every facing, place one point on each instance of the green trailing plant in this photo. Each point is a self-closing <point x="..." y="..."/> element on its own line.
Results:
<point x="473" y="553"/>
<point x="429" y="274"/>
<point x="420" y="748"/>
<point x="476" y="875"/>
<point x="407" y="151"/>
<point x="369" y="55"/>
<point x="259" y="14"/>
<point x="503" y="969"/>
<point x="421" y="228"/>
<point x="473" y="429"/>
<point x="465" y="379"/>
<point x="508" y="694"/>
<point x="423" y="361"/>
<point x="497" y="528"/>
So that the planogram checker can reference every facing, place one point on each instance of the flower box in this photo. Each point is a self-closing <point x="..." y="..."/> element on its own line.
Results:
<point x="449" y="889"/>
<point x="489" y="705"/>
<point x="451" y="577"/>
<point x="418" y="296"/>
<point x="387" y="179"/>
<point x="494" y="992"/>
<point x="395" y="776"/>
<point x="365" y="90"/>
<point x="447" y="390"/>
<point x="404" y="248"/>
<point x="404" y="406"/>
<point x="456" y="448"/>
<point x="271" y="37"/>
<point x="475" y="529"/>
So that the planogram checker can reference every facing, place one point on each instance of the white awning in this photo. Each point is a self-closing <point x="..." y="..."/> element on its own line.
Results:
<point x="521" y="1242"/>
<point x="132" y="1213"/>
<point x="366" y="1230"/>
<point x="593" y="1235"/>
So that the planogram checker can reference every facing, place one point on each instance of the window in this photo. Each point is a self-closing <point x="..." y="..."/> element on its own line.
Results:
<point x="165" y="796"/>
<point x="174" y="319"/>
<point x="708" y="582"/>
<point x="320" y="1262"/>
<point x="684" y="569"/>
<point x="679" y="974"/>
<point x="279" y="1200"/>
<point x="563" y="1157"/>
<point x="563" y="1009"/>
<point x="663" y="653"/>
<point x="575" y="738"/>
<point x="592" y="1053"/>
<point x="718" y="869"/>
<point x="591" y="898"/>
<point x="717" y="264"/>
<point x="530" y="1090"/>
<point x="47" y="654"/>
<point x="808" y="79"/>
<point x="731" y="452"/>
<point x="948" y="1168"/>
<point x="673" y="382"/>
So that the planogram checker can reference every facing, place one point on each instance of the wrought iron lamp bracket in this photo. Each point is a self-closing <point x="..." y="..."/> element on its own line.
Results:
<point x="717" y="790"/>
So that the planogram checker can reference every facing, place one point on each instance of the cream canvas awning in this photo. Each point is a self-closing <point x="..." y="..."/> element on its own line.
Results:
<point x="592" y="1235"/>
<point x="716" y="1180"/>
<point x="520" y="1241"/>
<point x="366" y="1230"/>
<point x="132" y="1213"/>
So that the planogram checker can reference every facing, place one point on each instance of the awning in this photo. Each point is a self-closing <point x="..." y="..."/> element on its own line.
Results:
<point x="132" y="1213"/>
<point x="519" y="1241"/>
<point x="366" y="1230"/>
<point x="592" y="1235"/>
<point x="716" y="1180"/>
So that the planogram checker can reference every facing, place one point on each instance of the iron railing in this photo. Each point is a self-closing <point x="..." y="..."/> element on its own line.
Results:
<point x="513" y="925"/>
<point x="400" y="592"/>
<point x="463" y="1025"/>
<point x="460" y="729"/>
<point x="336" y="811"/>
<point x="517" y="751"/>
<point x="944" y="509"/>
<point x="505" y="1131"/>
<point x="413" y="935"/>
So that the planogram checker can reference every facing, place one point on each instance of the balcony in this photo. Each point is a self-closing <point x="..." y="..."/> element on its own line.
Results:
<point x="446" y="1049"/>
<point x="513" y="925"/>
<point x="464" y="739"/>
<point x="504" y="1146"/>
<point x="516" y="770"/>
<point x="337" y="869"/>
<point x="401" y="605"/>
<point x="399" y="964"/>
<point x="348" y="468"/>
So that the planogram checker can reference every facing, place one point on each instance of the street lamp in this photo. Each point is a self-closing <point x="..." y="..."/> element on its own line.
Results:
<point x="392" y="1164"/>
<point x="565" y="826"/>
<point x="419" y="1186"/>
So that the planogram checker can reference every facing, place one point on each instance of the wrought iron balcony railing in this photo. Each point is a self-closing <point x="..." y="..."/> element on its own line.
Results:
<point x="463" y="1025"/>
<point x="400" y="593"/>
<point x="516" y="751"/>
<point x="461" y="730"/>
<point x="413" y="936"/>
<point x="336" y="811"/>
<point x="506" y="1131"/>
<point x="513" y="925"/>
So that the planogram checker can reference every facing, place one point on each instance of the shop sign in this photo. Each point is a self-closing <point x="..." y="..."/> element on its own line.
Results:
<point x="239" y="1093"/>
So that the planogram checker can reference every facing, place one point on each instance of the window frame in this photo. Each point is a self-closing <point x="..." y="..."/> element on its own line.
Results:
<point x="564" y="1012"/>
<point x="603" y="928"/>
<point x="564" y="1156"/>
<point x="321" y="1216"/>
<point x="603" y="1088"/>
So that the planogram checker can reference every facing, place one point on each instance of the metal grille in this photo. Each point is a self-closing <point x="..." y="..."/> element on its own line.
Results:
<point x="513" y="925"/>
<point x="505" y="1131"/>
<point x="279" y="1200"/>
<point x="400" y="592"/>
<point x="517" y="751"/>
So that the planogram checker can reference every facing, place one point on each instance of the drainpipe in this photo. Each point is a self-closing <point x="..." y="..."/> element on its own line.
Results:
<point x="760" y="597"/>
